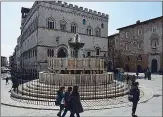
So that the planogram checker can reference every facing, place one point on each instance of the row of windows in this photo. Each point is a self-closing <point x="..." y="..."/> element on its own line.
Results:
<point x="154" y="44"/>
<point x="50" y="52"/>
<point x="139" y="58"/>
<point x="63" y="23"/>
<point x="30" y="53"/>
<point x="140" y="31"/>
<point x="30" y="29"/>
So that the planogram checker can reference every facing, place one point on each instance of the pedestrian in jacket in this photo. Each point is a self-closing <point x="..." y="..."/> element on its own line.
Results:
<point x="67" y="97"/>
<point x="115" y="71"/>
<point x="7" y="80"/>
<point x="136" y="96"/>
<point x="75" y="105"/>
<point x="60" y="99"/>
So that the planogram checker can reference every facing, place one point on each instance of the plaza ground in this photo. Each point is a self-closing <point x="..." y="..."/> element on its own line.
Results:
<point x="152" y="107"/>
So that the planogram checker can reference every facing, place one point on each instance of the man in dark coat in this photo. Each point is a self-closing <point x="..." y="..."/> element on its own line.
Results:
<point x="136" y="97"/>
<point x="115" y="71"/>
<point x="67" y="96"/>
<point x="75" y="105"/>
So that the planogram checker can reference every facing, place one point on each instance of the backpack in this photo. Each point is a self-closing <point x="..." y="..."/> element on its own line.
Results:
<point x="130" y="96"/>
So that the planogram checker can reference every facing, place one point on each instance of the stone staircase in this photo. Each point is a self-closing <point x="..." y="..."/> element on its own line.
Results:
<point x="36" y="91"/>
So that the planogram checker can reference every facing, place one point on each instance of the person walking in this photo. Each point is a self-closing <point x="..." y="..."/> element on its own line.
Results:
<point x="115" y="71"/>
<point x="67" y="96"/>
<point x="127" y="78"/>
<point x="60" y="100"/>
<point x="136" y="97"/>
<point x="74" y="103"/>
<point x="16" y="85"/>
<point x="7" y="78"/>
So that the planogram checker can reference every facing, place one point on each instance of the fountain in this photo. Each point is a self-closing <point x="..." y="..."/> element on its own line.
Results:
<point x="76" y="45"/>
<point x="87" y="73"/>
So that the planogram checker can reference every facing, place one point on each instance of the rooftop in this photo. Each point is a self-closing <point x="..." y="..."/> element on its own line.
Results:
<point x="138" y="22"/>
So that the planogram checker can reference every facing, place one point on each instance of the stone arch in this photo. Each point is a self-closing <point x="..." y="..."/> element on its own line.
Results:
<point x="62" y="52"/>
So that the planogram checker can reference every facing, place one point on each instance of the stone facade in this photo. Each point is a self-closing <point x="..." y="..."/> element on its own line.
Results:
<point x="143" y="41"/>
<point x="47" y="27"/>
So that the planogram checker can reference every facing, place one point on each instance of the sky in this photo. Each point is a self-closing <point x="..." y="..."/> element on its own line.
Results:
<point x="120" y="14"/>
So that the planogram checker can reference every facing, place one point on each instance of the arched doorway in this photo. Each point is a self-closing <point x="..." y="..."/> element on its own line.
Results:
<point x="127" y="69"/>
<point x="62" y="53"/>
<point x="109" y="66"/>
<point x="154" y="66"/>
<point x="139" y="69"/>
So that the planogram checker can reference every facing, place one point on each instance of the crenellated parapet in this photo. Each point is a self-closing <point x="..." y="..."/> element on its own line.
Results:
<point x="78" y="8"/>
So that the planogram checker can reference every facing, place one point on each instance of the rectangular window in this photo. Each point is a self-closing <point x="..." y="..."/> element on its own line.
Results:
<point x="126" y="34"/>
<point x="154" y="28"/>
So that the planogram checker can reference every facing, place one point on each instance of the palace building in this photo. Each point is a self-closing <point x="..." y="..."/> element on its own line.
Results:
<point x="48" y="26"/>
<point x="138" y="46"/>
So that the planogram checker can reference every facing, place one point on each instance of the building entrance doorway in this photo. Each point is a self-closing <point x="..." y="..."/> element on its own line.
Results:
<point x="62" y="53"/>
<point x="154" y="66"/>
<point x="139" y="69"/>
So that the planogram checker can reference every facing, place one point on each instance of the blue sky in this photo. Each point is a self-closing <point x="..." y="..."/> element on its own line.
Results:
<point x="120" y="14"/>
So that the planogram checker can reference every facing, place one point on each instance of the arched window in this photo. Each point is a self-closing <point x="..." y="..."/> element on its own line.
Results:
<point x="63" y="25"/>
<point x="102" y="25"/>
<point x="73" y="27"/>
<point x="84" y="22"/>
<point x="89" y="30"/>
<point x="50" y="23"/>
<point x="98" y="32"/>
<point x="97" y="51"/>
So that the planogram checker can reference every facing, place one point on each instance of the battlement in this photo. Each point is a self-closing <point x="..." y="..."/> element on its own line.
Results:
<point x="76" y="7"/>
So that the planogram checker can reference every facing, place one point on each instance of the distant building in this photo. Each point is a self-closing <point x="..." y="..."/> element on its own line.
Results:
<point x="140" y="45"/>
<point x="4" y="62"/>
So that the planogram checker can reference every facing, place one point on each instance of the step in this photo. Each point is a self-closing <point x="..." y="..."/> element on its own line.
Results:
<point x="55" y="89"/>
<point x="52" y="92"/>
<point x="46" y="95"/>
<point x="48" y="87"/>
<point x="19" y="96"/>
